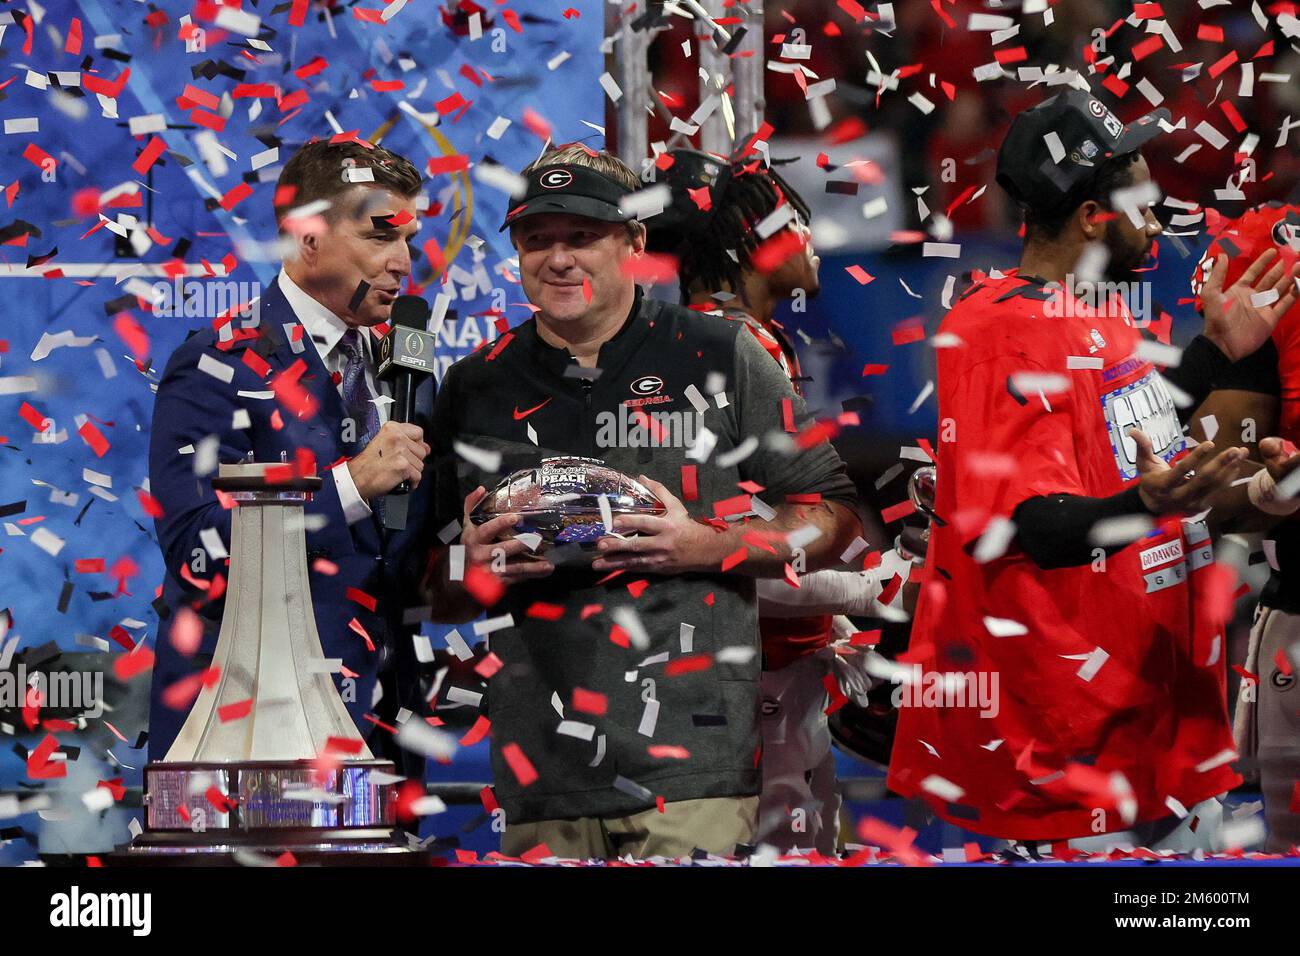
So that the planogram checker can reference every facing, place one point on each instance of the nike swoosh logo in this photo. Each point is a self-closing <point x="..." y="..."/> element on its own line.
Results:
<point x="520" y="416"/>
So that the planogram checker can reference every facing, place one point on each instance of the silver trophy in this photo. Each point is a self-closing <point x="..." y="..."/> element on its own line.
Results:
<point x="253" y="779"/>
<point x="569" y="503"/>
<point x="913" y="542"/>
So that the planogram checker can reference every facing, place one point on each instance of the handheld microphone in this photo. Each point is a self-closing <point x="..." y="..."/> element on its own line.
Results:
<point x="405" y="354"/>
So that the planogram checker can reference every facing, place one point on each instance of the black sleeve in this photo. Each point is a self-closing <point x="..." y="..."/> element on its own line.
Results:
<point x="1201" y="365"/>
<point x="1257" y="372"/>
<point x="1053" y="529"/>
<point x="1204" y="368"/>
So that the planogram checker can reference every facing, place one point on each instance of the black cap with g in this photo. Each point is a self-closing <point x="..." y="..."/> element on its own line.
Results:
<point x="573" y="189"/>
<point x="1054" y="149"/>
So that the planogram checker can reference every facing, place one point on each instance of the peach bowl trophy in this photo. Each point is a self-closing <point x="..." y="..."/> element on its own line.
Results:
<point x="293" y="775"/>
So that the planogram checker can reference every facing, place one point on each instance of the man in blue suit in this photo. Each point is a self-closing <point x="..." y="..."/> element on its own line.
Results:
<point x="298" y="379"/>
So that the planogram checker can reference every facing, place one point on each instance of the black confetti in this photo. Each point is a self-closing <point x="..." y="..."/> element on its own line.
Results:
<point x="363" y="289"/>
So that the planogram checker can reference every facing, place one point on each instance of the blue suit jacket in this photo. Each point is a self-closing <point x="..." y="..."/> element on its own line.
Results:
<point x="192" y="405"/>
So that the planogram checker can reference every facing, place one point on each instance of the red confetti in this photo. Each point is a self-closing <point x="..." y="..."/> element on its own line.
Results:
<point x="39" y="765"/>
<point x="690" y="483"/>
<point x="732" y="506"/>
<point x="688" y="665"/>
<point x="359" y="628"/>
<point x="127" y="666"/>
<point x="132" y="333"/>
<point x="544" y="611"/>
<point x="900" y="510"/>
<point x="1144" y="48"/>
<point x="772" y="253"/>
<point x="38" y="157"/>
<point x="448" y="164"/>
<point x="589" y="702"/>
<point x="488" y="666"/>
<point x="475" y="734"/>
<point x="1222" y="64"/>
<point x="733" y="559"/>
<point x="236" y="711"/>
<point x="32" y="417"/>
<point x="668" y="752"/>
<point x="362" y="598"/>
<point x="311" y="67"/>
<point x="836" y="695"/>
<point x="237" y="195"/>
<point x="343" y="745"/>
<point x="909" y="331"/>
<point x="93" y="437"/>
<point x="787" y="415"/>
<point x="536" y="124"/>
<point x="519" y="764"/>
<point x="149" y="155"/>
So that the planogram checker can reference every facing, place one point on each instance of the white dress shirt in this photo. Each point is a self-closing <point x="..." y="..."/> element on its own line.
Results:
<point x="325" y="329"/>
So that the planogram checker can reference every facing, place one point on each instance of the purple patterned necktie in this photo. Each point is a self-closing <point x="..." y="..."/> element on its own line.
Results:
<point x="356" y="395"/>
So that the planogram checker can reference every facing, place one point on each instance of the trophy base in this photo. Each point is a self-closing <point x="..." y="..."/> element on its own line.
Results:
<point x="252" y="812"/>
<point x="309" y="847"/>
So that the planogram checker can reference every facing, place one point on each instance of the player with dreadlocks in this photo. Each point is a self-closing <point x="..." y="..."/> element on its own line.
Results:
<point x="728" y="221"/>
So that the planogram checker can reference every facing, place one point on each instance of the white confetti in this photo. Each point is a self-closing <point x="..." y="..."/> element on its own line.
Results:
<point x="610" y="87"/>
<point x="1210" y="425"/>
<point x="1054" y="147"/>
<point x="696" y="399"/>
<point x="649" y="718"/>
<point x="481" y="458"/>
<point x="47" y="541"/>
<point x="216" y="368"/>
<point x="1092" y="663"/>
<point x="1211" y="135"/>
<point x="1123" y="530"/>
<point x="574" y="728"/>
<point x="457" y="645"/>
<point x="418" y="737"/>
<point x="944" y="250"/>
<point x="686" y="638"/>
<point x="18" y="385"/>
<point x="498" y="623"/>
<point x="993" y="543"/>
<point x="942" y="788"/>
<point x="423" y="648"/>
<point x="1266" y="298"/>
<point x="212" y="543"/>
<point x="626" y="618"/>
<point x="1004" y="627"/>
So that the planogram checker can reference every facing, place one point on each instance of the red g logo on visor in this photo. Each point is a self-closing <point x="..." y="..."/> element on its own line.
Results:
<point x="555" y="179"/>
